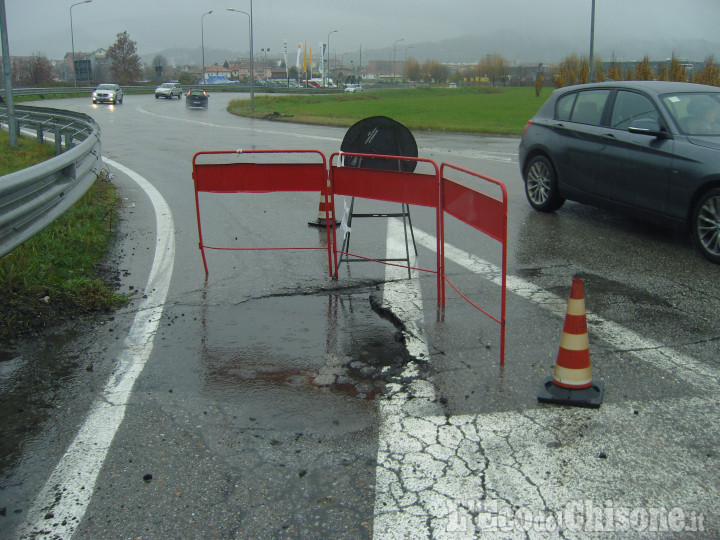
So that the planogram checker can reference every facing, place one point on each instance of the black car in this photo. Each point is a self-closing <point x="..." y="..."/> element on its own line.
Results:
<point x="196" y="97"/>
<point x="649" y="148"/>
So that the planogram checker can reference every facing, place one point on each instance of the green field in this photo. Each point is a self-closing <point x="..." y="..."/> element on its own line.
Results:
<point x="492" y="110"/>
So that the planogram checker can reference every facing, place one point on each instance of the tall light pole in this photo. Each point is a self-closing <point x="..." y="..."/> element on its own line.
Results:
<point x="394" y="52"/>
<point x="202" y="44"/>
<point x="252" y="62"/>
<point x="72" y="39"/>
<point x="7" y="72"/>
<point x="592" y="39"/>
<point x="325" y="70"/>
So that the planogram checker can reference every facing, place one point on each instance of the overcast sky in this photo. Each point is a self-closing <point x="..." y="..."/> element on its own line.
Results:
<point x="43" y="26"/>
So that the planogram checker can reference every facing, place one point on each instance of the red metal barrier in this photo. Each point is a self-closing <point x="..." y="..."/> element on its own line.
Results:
<point x="420" y="189"/>
<point x="484" y="213"/>
<point x="474" y="208"/>
<point x="253" y="177"/>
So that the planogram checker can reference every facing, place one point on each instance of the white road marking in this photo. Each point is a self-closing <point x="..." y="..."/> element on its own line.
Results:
<point x="532" y="473"/>
<point x="70" y="487"/>
<point x="252" y="128"/>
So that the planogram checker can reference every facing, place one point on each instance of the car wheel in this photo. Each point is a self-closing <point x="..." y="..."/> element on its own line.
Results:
<point x="157" y="97"/>
<point x="541" y="185"/>
<point x="706" y="225"/>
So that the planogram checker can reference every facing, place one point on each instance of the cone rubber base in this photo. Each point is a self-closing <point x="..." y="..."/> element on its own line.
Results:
<point x="583" y="397"/>
<point x="320" y="223"/>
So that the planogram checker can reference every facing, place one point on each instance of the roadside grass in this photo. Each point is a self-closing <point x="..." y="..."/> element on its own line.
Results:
<point x="28" y="152"/>
<point x="59" y="273"/>
<point x="489" y="110"/>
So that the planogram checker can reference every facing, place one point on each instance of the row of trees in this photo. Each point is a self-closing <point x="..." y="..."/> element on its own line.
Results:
<point x="430" y="70"/>
<point x="574" y="70"/>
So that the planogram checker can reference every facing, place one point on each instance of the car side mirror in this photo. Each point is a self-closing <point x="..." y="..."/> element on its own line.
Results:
<point x="648" y="126"/>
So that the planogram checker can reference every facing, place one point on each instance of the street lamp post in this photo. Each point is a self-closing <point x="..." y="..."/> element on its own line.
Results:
<point x="202" y="44"/>
<point x="394" y="52"/>
<point x="592" y="39"/>
<point x="326" y="69"/>
<point x="252" y="62"/>
<point x="72" y="39"/>
<point x="7" y="72"/>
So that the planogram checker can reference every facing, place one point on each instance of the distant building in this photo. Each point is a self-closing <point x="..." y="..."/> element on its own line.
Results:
<point x="91" y="67"/>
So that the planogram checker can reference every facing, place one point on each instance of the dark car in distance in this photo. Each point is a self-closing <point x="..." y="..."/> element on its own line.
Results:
<point x="647" y="148"/>
<point x="196" y="98"/>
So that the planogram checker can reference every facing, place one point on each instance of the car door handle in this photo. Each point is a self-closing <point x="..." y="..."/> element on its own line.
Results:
<point x="610" y="136"/>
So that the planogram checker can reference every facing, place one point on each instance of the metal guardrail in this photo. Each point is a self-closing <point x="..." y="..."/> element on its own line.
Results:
<point x="33" y="198"/>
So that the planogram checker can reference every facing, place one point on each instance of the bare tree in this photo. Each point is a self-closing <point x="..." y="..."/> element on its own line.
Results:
<point x="412" y="70"/>
<point x="677" y="70"/>
<point x="614" y="72"/>
<point x="435" y="71"/>
<point x="33" y="71"/>
<point x="710" y="73"/>
<point x="643" y="71"/>
<point x="124" y="60"/>
<point x="493" y="66"/>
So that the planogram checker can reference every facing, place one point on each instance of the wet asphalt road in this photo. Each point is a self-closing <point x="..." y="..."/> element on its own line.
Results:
<point x="274" y="402"/>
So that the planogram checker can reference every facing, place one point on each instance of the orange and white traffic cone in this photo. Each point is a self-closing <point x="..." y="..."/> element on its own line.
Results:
<point x="321" y="212"/>
<point x="571" y="383"/>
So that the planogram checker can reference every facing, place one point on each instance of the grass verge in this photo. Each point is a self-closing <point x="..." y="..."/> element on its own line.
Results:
<point x="491" y="110"/>
<point x="59" y="273"/>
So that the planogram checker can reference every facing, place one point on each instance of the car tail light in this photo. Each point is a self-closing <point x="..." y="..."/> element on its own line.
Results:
<point x="527" y="126"/>
<point x="204" y="93"/>
<point x="188" y="94"/>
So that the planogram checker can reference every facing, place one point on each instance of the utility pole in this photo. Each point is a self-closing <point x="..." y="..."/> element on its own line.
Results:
<point x="592" y="39"/>
<point x="12" y="121"/>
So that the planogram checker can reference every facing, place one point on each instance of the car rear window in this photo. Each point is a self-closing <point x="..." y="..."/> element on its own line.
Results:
<point x="564" y="106"/>
<point x="589" y="107"/>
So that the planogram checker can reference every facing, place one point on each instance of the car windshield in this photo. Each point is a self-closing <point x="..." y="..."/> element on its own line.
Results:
<point x="696" y="113"/>
<point x="166" y="85"/>
<point x="106" y="87"/>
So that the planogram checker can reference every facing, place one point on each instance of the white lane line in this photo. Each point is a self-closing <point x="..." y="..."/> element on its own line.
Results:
<point x="657" y="354"/>
<point x="70" y="487"/>
<point x="403" y="297"/>
<point x="253" y="128"/>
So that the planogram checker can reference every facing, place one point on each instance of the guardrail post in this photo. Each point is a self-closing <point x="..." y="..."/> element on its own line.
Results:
<point x="68" y="141"/>
<point x="58" y="141"/>
<point x="40" y="134"/>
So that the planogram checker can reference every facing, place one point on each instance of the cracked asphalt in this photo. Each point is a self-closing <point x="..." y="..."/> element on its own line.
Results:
<point x="272" y="402"/>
